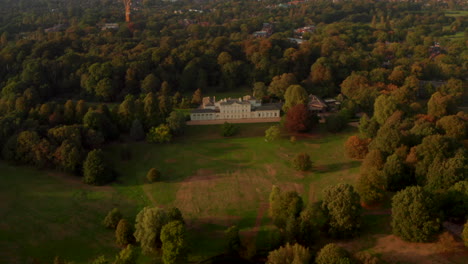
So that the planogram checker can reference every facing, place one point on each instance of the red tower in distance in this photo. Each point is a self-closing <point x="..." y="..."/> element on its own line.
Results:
<point x="128" y="6"/>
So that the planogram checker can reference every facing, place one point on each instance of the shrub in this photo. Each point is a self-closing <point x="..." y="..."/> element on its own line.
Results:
<point x="128" y="255"/>
<point x="174" y="243"/>
<point x="153" y="175"/>
<point x="124" y="233"/>
<point x="366" y="258"/>
<point x="112" y="218"/>
<point x="160" y="134"/>
<point x="356" y="148"/>
<point x="332" y="254"/>
<point x="292" y="139"/>
<point x="302" y="162"/>
<point x="273" y="133"/>
<point x="287" y="254"/>
<point x="229" y="130"/>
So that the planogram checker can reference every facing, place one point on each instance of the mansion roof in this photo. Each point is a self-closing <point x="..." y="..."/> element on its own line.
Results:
<point x="268" y="107"/>
<point x="201" y="110"/>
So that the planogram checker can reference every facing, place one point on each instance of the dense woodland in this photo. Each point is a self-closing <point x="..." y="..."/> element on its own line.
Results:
<point x="402" y="66"/>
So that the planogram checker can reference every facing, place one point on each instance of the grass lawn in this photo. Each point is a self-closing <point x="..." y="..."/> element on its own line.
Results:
<point x="45" y="214"/>
<point x="216" y="182"/>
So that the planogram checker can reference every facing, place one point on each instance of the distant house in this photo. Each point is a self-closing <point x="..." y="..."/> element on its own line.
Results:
<point x="296" y="40"/>
<point x="316" y="104"/>
<point x="266" y="31"/>
<point x="260" y="34"/>
<point x="56" y="28"/>
<point x="108" y="26"/>
<point x="246" y="107"/>
<point x="301" y="31"/>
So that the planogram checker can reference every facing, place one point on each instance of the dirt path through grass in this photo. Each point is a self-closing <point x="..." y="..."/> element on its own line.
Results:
<point x="252" y="235"/>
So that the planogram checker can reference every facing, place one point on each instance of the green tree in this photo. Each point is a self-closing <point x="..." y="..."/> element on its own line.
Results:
<point x="342" y="205"/>
<point x="284" y="206"/>
<point x="443" y="173"/>
<point x="153" y="175"/>
<point x="128" y="255"/>
<point x="69" y="112"/>
<point x="312" y="220"/>
<point x="174" y="243"/>
<point x="112" y="218"/>
<point x="69" y="156"/>
<point x="151" y="111"/>
<point x="150" y="84"/>
<point x="288" y="254"/>
<point x="176" y="122"/>
<point x="371" y="186"/>
<point x="160" y="134"/>
<point x="259" y="90"/>
<point x="414" y="216"/>
<point x="302" y="162"/>
<point x="174" y="214"/>
<point x="100" y="260"/>
<point x="280" y="83"/>
<point x="80" y="111"/>
<point x="368" y="127"/>
<point x="148" y="225"/>
<point x="453" y="126"/>
<point x="95" y="169"/>
<point x="332" y="254"/>
<point x="389" y="136"/>
<point x="431" y="148"/>
<point x="396" y="174"/>
<point x="233" y="242"/>
<point x="105" y="89"/>
<point x="124" y="233"/>
<point x="295" y="94"/>
<point x="336" y="122"/>
<point x="384" y="107"/>
<point x="441" y="105"/>
<point x="455" y="201"/>
<point x="273" y="133"/>
<point x="357" y="88"/>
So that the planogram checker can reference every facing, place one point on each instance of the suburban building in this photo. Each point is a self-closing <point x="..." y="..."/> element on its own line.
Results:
<point x="246" y="107"/>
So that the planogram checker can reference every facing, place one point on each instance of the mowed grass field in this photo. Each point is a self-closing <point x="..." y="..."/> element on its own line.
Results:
<point x="216" y="182"/>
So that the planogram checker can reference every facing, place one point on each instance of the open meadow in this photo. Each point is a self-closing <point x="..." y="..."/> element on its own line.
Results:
<point x="216" y="182"/>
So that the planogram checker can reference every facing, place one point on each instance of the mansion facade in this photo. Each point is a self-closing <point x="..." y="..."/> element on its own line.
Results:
<point x="246" y="107"/>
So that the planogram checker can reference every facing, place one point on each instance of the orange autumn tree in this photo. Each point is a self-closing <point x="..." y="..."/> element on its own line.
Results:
<point x="356" y="147"/>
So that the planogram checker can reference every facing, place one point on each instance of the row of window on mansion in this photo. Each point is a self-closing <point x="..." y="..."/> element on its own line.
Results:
<point x="211" y="116"/>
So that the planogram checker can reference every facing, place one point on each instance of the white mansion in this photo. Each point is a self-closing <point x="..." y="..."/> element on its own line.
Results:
<point x="246" y="107"/>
